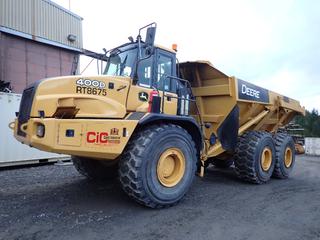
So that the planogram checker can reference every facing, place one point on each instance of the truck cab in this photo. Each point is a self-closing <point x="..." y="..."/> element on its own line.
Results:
<point x="152" y="69"/>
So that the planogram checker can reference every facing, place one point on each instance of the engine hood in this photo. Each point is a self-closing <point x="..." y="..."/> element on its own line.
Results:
<point x="81" y="97"/>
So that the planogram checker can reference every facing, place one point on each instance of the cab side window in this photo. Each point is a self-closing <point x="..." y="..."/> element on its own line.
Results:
<point x="164" y="69"/>
<point x="155" y="71"/>
<point x="145" y="72"/>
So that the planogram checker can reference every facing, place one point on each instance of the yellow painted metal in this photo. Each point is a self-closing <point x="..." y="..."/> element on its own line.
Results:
<point x="95" y="113"/>
<point x="135" y="105"/>
<point x="299" y="148"/>
<point x="70" y="141"/>
<point x="220" y="90"/>
<point x="95" y="138"/>
<point x="217" y="149"/>
<point x="62" y="92"/>
<point x="266" y="159"/>
<point x="217" y="95"/>
<point x="171" y="167"/>
<point x="288" y="157"/>
<point x="201" y="173"/>
<point x="253" y="121"/>
<point x="165" y="48"/>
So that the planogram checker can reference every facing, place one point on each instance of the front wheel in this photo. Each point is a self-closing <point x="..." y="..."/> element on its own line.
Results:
<point x="158" y="165"/>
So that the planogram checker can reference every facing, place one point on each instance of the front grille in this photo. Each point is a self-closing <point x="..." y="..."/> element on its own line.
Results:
<point x="25" y="108"/>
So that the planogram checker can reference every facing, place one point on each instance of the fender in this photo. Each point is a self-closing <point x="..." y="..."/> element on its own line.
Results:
<point x="186" y="122"/>
<point x="228" y="130"/>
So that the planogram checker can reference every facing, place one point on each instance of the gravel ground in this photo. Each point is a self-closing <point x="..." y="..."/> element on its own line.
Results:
<point x="55" y="202"/>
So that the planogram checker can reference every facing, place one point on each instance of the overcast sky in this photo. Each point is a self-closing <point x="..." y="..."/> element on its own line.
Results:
<point x="274" y="44"/>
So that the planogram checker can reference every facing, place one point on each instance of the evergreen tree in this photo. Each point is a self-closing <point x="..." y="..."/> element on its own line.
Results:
<point x="310" y="122"/>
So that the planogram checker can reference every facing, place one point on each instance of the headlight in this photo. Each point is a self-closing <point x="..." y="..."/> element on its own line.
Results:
<point x="40" y="130"/>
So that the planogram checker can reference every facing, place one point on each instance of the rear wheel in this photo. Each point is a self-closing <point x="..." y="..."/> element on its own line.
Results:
<point x="95" y="169"/>
<point x="158" y="165"/>
<point x="285" y="155"/>
<point x="254" y="157"/>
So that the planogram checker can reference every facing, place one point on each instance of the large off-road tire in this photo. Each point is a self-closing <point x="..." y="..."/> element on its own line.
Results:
<point x="158" y="165"/>
<point x="95" y="169"/>
<point x="285" y="155"/>
<point x="222" y="163"/>
<point x="254" y="157"/>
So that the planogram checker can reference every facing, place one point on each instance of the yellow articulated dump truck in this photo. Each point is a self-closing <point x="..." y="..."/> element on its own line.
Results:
<point x="154" y="123"/>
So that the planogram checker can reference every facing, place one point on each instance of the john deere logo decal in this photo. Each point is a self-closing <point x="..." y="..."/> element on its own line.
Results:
<point x="249" y="91"/>
<point x="143" y="96"/>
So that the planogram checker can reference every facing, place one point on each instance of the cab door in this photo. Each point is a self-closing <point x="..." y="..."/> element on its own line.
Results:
<point x="165" y="68"/>
<point x="153" y="73"/>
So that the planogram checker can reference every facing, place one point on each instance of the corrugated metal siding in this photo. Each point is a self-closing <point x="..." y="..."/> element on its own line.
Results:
<point x="42" y="19"/>
<point x="16" y="14"/>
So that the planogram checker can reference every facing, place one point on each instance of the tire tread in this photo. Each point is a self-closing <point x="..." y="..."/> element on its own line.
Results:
<point x="244" y="156"/>
<point x="279" y="140"/>
<point x="132" y="160"/>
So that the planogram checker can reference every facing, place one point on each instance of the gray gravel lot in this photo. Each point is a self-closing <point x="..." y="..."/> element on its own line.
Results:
<point x="55" y="202"/>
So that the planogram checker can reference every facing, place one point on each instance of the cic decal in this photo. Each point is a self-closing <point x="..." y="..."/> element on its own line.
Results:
<point x="103" y="138"/>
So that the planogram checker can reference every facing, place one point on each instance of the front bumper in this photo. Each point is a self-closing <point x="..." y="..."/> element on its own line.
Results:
<point x="104" y="139"/>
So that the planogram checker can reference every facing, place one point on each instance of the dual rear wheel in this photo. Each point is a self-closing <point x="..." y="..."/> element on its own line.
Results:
<point x="285" y="155"/>
<point x="259" y="155"/>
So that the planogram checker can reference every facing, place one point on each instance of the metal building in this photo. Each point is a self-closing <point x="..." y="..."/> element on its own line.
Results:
<point x="38" y="39"/>
<point x="13" y="152"/>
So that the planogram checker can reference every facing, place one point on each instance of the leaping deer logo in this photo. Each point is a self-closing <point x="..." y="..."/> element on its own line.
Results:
<point x="143" y="96"/>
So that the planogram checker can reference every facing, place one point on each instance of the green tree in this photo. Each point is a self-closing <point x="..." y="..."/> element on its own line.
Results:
<point x="310" y="122"/>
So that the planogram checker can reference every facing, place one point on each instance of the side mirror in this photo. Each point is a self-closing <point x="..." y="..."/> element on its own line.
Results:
<point x="149" y="46"/>
<point x="150" y="36"/>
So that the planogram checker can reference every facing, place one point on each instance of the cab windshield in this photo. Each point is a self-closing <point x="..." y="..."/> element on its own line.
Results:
<point x="121" y="63"/>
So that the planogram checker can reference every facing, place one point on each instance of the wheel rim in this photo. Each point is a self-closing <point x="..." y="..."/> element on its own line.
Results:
<point x="171" y="167"/>
<point x="288" y="156"/>
<point x="266" y="159"/>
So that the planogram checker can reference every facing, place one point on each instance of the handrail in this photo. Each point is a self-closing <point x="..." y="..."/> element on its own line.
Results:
<point x="188" y="86"/>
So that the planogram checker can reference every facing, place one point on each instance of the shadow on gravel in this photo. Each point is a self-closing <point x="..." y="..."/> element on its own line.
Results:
<point x="90" y="194"/>
<point x="223" y="176"/>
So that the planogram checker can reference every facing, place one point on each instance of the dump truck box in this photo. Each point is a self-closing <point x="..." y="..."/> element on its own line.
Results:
<point x="219" y="97"/>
